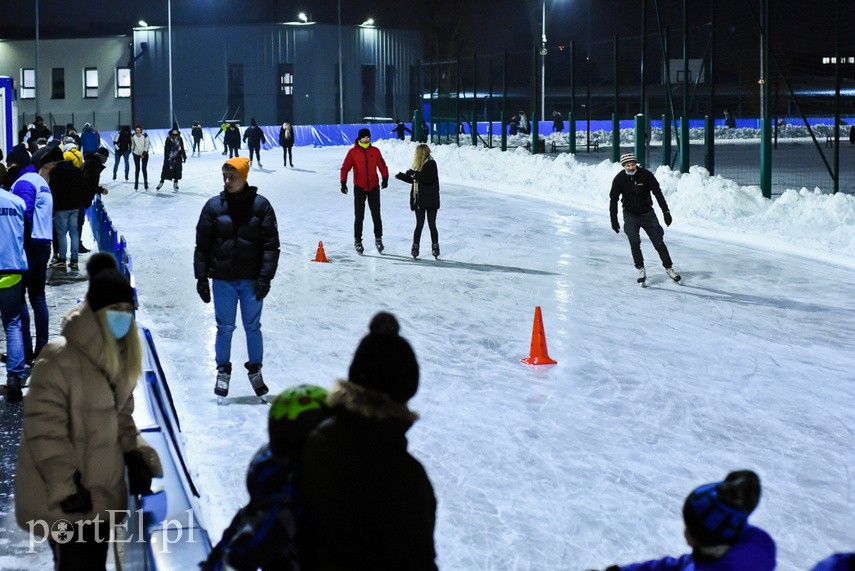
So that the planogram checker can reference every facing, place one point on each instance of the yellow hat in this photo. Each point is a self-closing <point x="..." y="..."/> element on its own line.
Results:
<point x="241" y="165"/>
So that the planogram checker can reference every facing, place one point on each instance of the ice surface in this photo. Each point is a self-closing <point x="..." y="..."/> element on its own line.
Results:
<point x="579" y="465"/>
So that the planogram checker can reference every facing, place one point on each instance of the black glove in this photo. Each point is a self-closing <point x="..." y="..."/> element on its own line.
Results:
<point x="203" y="289"/>
<point x="79" y="502"/>
<point x="402" y="177"/>
<point x="139" y="474"/>
<point x="411" y="172"/>
<point x="667" y="216"/>
<point x="384" y="183"/>
<point x="262" y="288"/>
<point x="344" y="188"/>
<point x="615" y="225"/>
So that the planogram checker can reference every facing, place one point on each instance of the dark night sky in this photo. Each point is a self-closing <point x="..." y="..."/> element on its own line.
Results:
<point x="450" y="26"/>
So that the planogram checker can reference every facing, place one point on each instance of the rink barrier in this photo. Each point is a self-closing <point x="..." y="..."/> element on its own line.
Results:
<point x="336" y="135"/>
<point x="164" y="531"/>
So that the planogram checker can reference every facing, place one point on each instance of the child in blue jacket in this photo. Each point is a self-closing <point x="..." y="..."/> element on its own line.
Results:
<point x="717" y="530"/>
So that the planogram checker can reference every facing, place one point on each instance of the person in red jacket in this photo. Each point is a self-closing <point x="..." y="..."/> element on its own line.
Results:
<point x="365" y="161"/>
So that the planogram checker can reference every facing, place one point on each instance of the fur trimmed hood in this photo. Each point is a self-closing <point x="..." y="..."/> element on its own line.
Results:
<point x="369" y="403"/>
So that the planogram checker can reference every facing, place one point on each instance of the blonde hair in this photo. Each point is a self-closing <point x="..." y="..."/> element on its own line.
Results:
<point x="122" y="357"/>
<point x="421" y="156"/>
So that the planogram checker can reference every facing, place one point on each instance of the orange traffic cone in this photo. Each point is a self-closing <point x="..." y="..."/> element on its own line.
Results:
<point x="538" y="354"/>
<point x="321" y="256"/>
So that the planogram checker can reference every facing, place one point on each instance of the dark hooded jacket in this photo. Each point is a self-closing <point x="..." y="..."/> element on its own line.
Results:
<point x="237" y="237"/>
<point x="369" y="503"/>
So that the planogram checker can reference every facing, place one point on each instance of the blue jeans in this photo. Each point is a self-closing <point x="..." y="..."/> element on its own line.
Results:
<point x="116" y="158"/>
<point x="11" y="300"/>
<point x="38" y="255"/>
<point x="65" y="223"/>
<point x="227" y="294"/>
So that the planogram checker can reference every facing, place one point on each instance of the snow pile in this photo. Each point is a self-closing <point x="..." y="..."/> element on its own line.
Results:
<point x="800" y="219"/>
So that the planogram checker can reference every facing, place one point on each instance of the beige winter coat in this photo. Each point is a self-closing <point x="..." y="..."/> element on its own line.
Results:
<point x="76" y="418"/>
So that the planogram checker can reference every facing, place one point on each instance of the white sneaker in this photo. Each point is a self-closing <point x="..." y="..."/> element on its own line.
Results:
<point x="672" y="274"/>
<point x="642" y="275"/>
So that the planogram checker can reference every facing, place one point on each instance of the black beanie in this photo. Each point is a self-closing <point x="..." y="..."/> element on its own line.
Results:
<point x="716" y="513"/>
<point x="100" y="261"/>
<point x="108" y="286"/>
<point x="363" y="133"/>
<point x="385" y="362"/>
<point x="19" y="155"/>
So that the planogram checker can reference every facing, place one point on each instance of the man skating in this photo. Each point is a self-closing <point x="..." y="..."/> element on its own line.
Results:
<point x="633" y="186"/>
<point x="365" y="161"/>
<point x="237" y="244"/>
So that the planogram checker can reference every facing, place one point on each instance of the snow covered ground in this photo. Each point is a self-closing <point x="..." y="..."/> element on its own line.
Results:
<point x="749" y="364"/>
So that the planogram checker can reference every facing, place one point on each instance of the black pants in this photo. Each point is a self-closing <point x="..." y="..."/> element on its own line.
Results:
<point x="83" y="552"/>
<point x="286" y="156"/>
<point x="257" y="153"/>
<point x="233" y="151"/>
<point x="632" y="224"/>
<point x="137" y="168"/>
<point x="420" y="223"/>
<point x="197" y="145"/>
<point x="359" y="198"/>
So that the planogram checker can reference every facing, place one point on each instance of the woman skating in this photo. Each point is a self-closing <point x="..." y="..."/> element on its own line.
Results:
<point x="424" y="196"/>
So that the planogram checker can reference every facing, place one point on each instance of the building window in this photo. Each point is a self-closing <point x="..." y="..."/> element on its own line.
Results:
<point x="57" y="83"/>
<point x="28" y="83"/>
<point x="286" y="83"/>
<point x="123" y="82"/>
<point x="90" y="82"/>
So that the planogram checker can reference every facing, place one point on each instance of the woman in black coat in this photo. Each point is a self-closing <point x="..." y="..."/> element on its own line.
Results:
<point x="424" y="196"/>
<point x="174" y="157"/>
<point x="286" y="139"/>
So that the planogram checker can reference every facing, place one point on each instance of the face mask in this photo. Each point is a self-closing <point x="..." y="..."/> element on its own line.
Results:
<point x="119" y="322"/>
<point x="364" y="145"/>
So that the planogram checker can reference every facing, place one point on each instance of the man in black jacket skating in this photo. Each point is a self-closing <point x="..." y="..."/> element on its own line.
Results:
<point x="237" y="244"/>
<point x="633" y="186"/>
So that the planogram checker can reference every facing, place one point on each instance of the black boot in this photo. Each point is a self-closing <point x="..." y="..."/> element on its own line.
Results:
<point x="358" y="245"/>
<point x="434" y="250"/>
<point x="415" y="251"/>
<point x="379" y="243"/>
<point x="13" y="388"/>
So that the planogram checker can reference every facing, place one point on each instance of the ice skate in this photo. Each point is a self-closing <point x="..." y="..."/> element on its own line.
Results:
<point x="414" y="252"/>
<point x="261" y="166"/>
<point x="642" y="276"/>
<point x="159" y="185"/>
<point x="379" y="243"/>
<point x="672" y="274"/>
<point x="175" y="186"/>
<point x="256" y="380"/>
<point x="224" y="375"/>
<point x="434" y="251"/>
<point x="358" y="245"/>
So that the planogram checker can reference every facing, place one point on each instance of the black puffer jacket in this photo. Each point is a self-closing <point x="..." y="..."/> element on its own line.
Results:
<point x="369" y="503"/>
<point x="237" y="237"/>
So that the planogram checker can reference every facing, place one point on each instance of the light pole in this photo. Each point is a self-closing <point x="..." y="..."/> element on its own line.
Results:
<point x="340" y="74"/>
<point x="169" y="42"/>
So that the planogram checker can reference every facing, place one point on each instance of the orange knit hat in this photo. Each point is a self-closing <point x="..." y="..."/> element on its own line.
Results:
<point x="241" y="165"/>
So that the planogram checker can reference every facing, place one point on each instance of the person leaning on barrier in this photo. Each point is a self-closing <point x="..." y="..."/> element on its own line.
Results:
<point x="79" y="432"/>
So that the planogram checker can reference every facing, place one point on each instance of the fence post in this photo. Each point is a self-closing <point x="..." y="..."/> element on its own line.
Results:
<point x="535" y="136"/>
<point x="571" y="130"/>
<point x="666" y="140"/>
<point x="504" y="132"/>
<point x="709" y="144"/>
<point x="640" y="139"/>
<point x="417" y="125"/>
<point x="615" y="138"/>
<point x="473" y="127"/>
